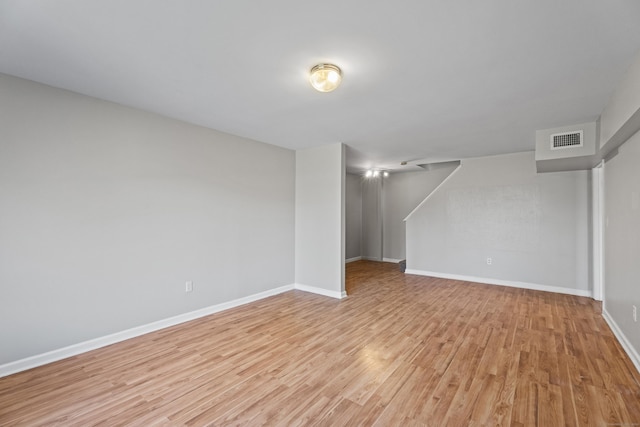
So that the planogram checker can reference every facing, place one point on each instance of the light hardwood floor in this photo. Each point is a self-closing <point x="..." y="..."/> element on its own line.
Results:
<point x="399" y="351"/>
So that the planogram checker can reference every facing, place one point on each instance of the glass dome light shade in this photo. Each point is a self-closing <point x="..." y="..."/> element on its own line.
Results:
<point x="325" y="77"/>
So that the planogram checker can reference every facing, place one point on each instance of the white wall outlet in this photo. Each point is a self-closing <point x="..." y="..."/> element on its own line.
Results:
<point x="635" y="314"/>
<point x="188" y="287"/>
<point x="489" y="261"/>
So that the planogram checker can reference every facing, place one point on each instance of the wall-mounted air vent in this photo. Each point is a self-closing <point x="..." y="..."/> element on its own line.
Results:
<point x="566" y="148"/>
<point x="566" y="140"/>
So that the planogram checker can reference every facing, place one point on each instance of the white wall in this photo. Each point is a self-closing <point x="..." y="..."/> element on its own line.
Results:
<point x="106" y="211"/>
<point x="622" y="240"/>
<point x="319" y="219"/>
<point x="402" y="193"/>
<point x="534" y="226"/>
<point x="353" y="216"/>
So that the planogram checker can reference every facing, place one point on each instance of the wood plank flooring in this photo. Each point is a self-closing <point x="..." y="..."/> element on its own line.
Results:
<point x="401" y="350"/>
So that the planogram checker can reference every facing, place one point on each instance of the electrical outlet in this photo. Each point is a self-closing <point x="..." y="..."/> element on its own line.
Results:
<point x="489" y="261"/>
<point x="635" y="314"/>
<point x="188" y="287"/>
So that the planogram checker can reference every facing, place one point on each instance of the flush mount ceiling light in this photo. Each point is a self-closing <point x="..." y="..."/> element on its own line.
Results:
<point x="325" y="77"/>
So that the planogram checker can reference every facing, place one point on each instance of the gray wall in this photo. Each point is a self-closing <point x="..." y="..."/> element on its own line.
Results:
<point x="386" y="202"/>
<point x="353" y="218"/>
<point x="533" y="226"/>
<point x="622" y="238"/>
<point x="623" y="104"/>
<point x="320" y="217"/>
<point x="619" y="120"/>
<point x="402" y="192"/>
<point x="372" y="218"/>
<point x="106" y="211"/>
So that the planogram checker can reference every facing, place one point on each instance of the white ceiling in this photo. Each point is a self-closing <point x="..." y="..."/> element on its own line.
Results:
<point x="434" y="80"/>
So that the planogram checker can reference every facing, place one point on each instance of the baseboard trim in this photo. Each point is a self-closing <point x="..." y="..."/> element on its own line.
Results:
<point x="509" y="283"/>
<point x="320" y="291"/>
<point x="83" y="347"/>
<point x="354" y="259"/>
<point x="393" y="260"/>
<point x="622" y="339"/>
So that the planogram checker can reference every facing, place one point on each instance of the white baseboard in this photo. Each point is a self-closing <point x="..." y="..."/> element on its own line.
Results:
<point x="321" y="291"/>
<point x="381" y="260"/>
<point x="354" y="259"/>
<point x="509" y="283"/>
<point x="83" y="347"/>
<point x="622" y="339"/>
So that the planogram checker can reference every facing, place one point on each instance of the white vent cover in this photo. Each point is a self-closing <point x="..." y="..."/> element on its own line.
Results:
<point x="566" y="140"/>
